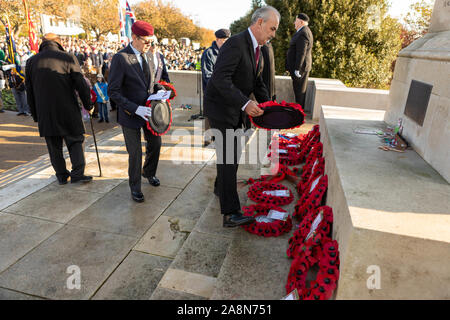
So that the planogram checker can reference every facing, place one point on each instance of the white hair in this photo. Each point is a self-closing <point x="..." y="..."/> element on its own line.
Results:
<point x="263" y="13"/>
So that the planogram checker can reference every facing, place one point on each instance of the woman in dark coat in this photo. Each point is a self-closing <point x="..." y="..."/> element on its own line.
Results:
<point x="52" y="77"/>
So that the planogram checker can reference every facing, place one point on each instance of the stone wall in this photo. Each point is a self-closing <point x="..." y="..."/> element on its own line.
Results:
<point x="320" y="92"/>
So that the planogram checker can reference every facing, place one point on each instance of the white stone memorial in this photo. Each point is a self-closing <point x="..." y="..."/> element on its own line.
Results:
<point x="427" y="60"/>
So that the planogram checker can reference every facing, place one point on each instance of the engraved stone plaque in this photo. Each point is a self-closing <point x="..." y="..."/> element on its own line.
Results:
<point x="418" y="99"/>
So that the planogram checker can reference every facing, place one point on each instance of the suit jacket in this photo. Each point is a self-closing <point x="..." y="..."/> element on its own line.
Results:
<point x="161" y="71"/>
<point x="53" y="79"/>
<point x="234" y="79"/>
<point x="128" y="87"/>
<point x="299" y="53"/>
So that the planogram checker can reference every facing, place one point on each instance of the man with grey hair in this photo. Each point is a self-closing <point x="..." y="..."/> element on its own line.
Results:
<point x="237" y="75"/>
<point x="299" y="58"/>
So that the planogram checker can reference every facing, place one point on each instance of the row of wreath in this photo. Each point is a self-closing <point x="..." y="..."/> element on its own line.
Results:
<point x="311" y="243"/>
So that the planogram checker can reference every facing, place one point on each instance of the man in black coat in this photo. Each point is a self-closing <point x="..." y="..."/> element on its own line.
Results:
<point x="208" y="61"/>
<point x="53" y="79"/>
<point x="237" y="74"/>
<point x="299" y="58"/>
<point x="209" y="56"/>
<point x="131" y="82"/>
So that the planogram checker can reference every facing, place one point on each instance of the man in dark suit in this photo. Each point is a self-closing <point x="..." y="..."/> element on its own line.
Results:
<point x="160" y="62"/>
<point x="299" y="59"/>
<point x="53" y="78"/>
<point x="237" y="75"/>
<point x="131" y="82"/>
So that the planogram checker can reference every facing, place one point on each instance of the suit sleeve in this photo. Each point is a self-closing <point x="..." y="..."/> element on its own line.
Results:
<point x="302" y="45"/>
<point x="116" y="78"/>
<point x="222" y="78"/>
<point x="30" y="92"/>
<point x="80" y="84"/>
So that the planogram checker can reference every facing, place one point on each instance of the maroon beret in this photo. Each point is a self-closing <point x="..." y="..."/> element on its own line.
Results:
<point x="142" y="28"/>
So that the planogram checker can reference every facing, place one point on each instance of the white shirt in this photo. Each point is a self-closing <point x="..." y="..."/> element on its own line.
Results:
<point x="255" y="45"/>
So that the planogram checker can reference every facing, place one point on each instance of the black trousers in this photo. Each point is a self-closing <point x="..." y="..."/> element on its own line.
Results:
<point x="300" y="86"/>
<point x="228" y="151"/>
<point x="134" y="149"/>
<point x="75" y="145"/>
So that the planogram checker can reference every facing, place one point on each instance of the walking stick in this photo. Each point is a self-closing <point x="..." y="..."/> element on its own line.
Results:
<point x="95" y="143"/>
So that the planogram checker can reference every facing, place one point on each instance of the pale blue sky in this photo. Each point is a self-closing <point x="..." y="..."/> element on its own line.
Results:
<point x="216" y="14"/>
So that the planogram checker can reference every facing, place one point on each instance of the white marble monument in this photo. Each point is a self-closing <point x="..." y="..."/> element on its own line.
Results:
<point x="427" y="60"/>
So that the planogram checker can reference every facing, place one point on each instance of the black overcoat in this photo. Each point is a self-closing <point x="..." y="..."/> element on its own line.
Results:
<point x="53" y="77"/>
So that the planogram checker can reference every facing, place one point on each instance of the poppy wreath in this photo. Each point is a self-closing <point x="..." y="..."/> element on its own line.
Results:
<point x="293" y="106"/>
<point x="300" y="235"/>
<point x="282" y="173"/>
<point x="169" y="87"/>
<point x="309" y="143"/>
<point x="311" y="199"/>
<point x="310" y="173"/>
<point x="266" y="229"/>
<point x="326" y="255"/>
<point x="149" y="105"/>
<point x="292" y="158"/>
<point x="256" y="193"/>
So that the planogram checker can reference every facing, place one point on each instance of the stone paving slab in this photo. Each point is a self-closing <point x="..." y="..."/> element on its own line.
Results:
<point x="43" y="272"/>
<point x="165" y="237"/>
<point x="6" y="294"/>
<point x="203" y="254"/>
<point x="118" y="213"/>
<point x="168" y="294"/>
<point x="188" y="282"/>
<point x="135" y="279"/>
<point x="194" y="199"/>
<point x="20" y="235"/>
<point x="177" y="175"/>
<point x="54" y="203"/>
<point x="254" y="269"/>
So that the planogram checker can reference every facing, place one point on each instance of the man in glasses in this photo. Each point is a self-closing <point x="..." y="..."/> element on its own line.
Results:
<point x="131" y="82"/>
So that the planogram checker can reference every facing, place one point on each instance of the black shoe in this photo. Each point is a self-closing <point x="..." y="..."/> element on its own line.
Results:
<point x="107" y="121"/>
<point x="20" y="113"/>
<point x="63" y="181"/>
<point x="100" y="121"/>
<point x="154" y="181"/>
<point x="236" y="219"/>
<point x="138" y="196"/>
<point x="84" y="179"/>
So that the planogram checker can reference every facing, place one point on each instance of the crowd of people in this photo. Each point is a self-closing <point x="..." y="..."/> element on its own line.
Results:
<point x="94" y="57"/>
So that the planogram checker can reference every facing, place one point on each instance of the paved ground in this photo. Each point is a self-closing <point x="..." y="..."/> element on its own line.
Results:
<point x="171" y="247"/>
<point x="20" y="141"/>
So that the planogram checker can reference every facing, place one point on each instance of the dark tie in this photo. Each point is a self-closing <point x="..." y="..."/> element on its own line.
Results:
<point x="145" y="68"/>
<point x="257" y="56"/>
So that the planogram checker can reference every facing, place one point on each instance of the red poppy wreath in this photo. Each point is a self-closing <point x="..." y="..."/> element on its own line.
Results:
<point x="169" y="87"/>
<point x="274" y="193"/>
<point x="316" y="221"/>
<point x="312" y="197"/>
<point x="310" y="173"/>
<point x="326" y="255"/>
<point x="274" y="228"/>
<point x="279" y="116"/>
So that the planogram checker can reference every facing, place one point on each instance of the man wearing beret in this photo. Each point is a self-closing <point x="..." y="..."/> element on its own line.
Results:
<point x="236" y="76"/>
<point x="131" y="82"/>
<point x="299" y="59"/>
